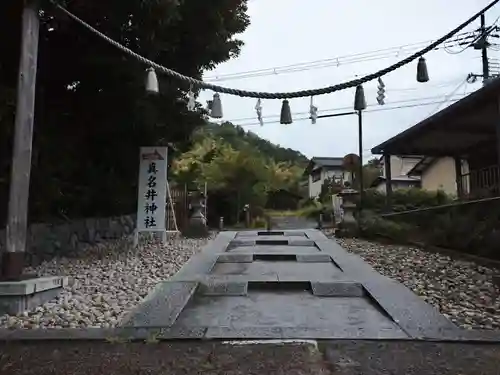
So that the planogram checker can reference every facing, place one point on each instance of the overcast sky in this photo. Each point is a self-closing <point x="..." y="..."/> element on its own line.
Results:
<point x="291" y="32"/>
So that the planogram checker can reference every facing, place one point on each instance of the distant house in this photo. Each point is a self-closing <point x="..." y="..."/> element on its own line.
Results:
<point x="438" y="173"/>
<point x="400" y="166"/>
<point x="321" y="168"/>
<point x="428" y="173"/>
<point x="466" y="132"/>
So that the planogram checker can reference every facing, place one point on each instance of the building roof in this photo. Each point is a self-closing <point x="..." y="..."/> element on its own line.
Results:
<point x="328" y="162"/>
<point x="454" y="131"/>
<point x="421" y="166"/>
<point x="381" y="179"/>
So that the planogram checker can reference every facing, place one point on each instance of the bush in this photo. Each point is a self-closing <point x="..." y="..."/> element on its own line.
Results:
<point x="329" y="187"/>
<point x="258" y="223"/>
<point x="471" y="228"/>
<point x="307" y="202"/>
<point x="373" y="226"/>
<point x="405" y="199"/>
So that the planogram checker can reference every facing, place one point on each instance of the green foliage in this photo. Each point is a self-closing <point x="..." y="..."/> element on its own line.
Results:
<point x="466" y="227"/>
<point x="371" y="171"/>
<point x="236" y="172"/>
<point x="310" y="211"/>
<point x="329" y="188"/>
<point x="92" y="112"/>
<point x="258" y="223"/>
<point x="373" y="226"/>
<point x="283" y="200"/>
<point x="313" y="210"/>
<point x="405" y="199"/>
<point x="237" y="137"/>
<point x="306" y="202"/>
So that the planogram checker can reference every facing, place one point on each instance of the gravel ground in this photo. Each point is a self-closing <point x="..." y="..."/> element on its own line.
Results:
<point x="463" y="291"/>
<point x="110" y="280"/>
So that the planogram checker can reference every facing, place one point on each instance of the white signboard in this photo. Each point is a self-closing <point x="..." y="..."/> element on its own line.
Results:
<point x="152" y="197"/>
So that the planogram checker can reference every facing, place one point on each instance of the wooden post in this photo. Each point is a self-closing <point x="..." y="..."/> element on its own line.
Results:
<point x="388" y="183"/>
<point x="458" y="177"/>
<point x="497" y="133"/>
<point x="17" y="220"/>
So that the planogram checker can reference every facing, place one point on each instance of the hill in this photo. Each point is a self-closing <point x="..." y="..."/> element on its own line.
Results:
<point x="238" y="137"/>
<point x="239" y="168"/>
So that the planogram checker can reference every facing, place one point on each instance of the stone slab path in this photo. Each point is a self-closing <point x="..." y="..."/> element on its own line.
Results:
<point x="275" y="287"/>
<point x="287" y="284"/>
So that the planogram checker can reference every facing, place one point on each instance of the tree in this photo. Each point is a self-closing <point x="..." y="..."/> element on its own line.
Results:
<point x="235" y="170"/>
<point x="371" y="171"/>
<point x="92" y="114"/>
<point x="236" y="136"/>
<point x="374" y="162"/>
<point x="329" y="187"/>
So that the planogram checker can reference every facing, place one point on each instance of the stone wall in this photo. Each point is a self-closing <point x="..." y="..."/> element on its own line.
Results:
<point x="46" y="241"/>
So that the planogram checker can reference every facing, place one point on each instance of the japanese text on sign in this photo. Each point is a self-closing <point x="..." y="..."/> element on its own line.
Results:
<point x="152" y="189"/>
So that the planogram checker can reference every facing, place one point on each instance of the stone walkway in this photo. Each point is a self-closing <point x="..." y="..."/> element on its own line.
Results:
<point x="244" y="286"/>
<point x="287" y="285"/>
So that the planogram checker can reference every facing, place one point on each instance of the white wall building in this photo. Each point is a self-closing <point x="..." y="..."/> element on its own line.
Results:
<point x="321" y="168"/>
<point x="400" y="166"/>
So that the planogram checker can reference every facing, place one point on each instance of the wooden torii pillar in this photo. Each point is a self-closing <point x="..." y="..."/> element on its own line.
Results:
<point x="17" y="219"/>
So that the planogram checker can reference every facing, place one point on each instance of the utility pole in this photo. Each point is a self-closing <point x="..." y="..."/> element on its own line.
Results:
<point x="360" y="151"/>
<point x="483" y="45"/>
<point x="484" y="50"/>
<point x="17" y="220"/>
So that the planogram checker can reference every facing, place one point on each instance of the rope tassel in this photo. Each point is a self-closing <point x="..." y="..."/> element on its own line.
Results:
<point x="258" y="109"/>
<point x="152" y="82"/>
<point x="422" y="73"/>
<point x="191" y="105"/>
<point x="359" y="99"/>
<point x="296" y="94"/>
<point x="313" y="111"/>
<point x="286" y="113"/>
<point x="216" y="108"/>
<point x="381" y="92"/>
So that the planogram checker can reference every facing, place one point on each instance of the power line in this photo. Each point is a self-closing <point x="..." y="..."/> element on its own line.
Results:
<point x="329" y="62"/>
<point x="447" y="97"/>
<point x="350" y="107"/>
<point x="194" y="82"/>
<point x="366" y="111"/>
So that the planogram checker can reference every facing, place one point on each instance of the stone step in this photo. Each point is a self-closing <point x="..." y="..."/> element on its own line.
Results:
<point x="240" y="288"/>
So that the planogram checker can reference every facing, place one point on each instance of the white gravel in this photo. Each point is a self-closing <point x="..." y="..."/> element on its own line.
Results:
<point x="463" y="291"/>
<point x="109" y="281"/>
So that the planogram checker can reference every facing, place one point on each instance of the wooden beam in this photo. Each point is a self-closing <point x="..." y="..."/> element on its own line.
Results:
<point x="17" y="220"/>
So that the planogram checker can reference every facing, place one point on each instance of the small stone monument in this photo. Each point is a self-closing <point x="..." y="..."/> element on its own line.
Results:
<point x="269" y="223"/>
<point x="197" y="227"/>
<point x="349" y="226"/>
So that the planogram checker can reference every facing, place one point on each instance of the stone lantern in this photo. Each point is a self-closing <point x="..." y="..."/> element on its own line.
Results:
<point x="349" y="226"/>
<point x="197" y="206"/>
<point x="197" y="227"/>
